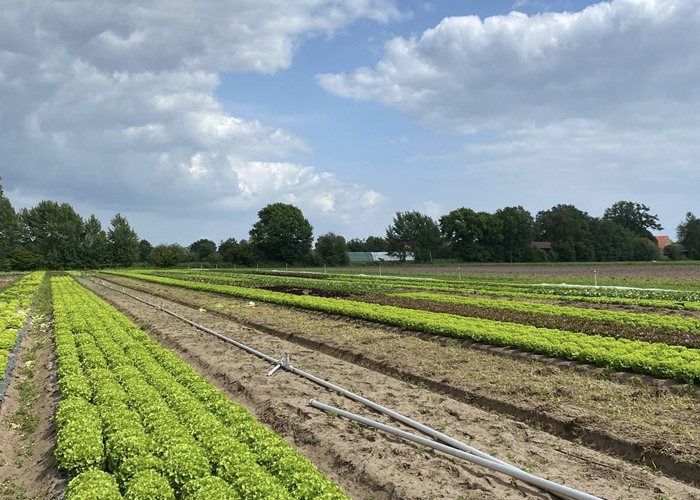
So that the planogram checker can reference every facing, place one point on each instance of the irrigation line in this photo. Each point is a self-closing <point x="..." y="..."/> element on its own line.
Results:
<point x="558" y="489"/>
<point x="475" y="455"/>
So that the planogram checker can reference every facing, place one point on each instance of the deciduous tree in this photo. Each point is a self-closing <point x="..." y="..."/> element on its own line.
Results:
<point x="413" y="232"/>
<point x="332" y="249"/>
<point x="518" y="230"/>
<point x="474" y="236"/>
<point x="635" y="217"/>
<point x="282" y="234"/>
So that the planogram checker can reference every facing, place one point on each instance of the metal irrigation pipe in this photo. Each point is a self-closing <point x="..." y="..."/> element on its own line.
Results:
<point x="475" y="455"/>
<point x="556" y="488"/>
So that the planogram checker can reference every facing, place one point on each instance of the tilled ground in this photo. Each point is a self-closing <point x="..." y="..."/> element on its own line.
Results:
<point x="370" y="464"/>
<point x="27" y="467"/>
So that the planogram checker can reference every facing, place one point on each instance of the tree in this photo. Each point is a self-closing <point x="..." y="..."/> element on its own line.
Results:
<point x="282" y="234"/>
<point x="376" y="244"/>
<point x="688" y="234"/>
<point x="54" y="232"/>
<point x="145" y="249"/>
<point x="237" y="253"/>
<point x="413" y="232"/>
<point x="95" y="246"/>
<point x="475" y="236"/>
<point x="518" y="230"/>
<point x="635" y="217"/>
<point x="203" y="249"/>
<point x="567" y="228"/>
<point x="332" y="249"/>
<point x="123" y="242"/>
<point x="167" y="255"/>
<point x="9" y="225"/>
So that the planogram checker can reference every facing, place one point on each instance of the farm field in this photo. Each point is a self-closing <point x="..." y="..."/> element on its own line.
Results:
<point x="147" y="406"/>
<point x="638" y="417"/>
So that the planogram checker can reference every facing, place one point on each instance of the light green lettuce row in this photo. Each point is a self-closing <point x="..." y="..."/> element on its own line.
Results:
<point x="689" y="325"/>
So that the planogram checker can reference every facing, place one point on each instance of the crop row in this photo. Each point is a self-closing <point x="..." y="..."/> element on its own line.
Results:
<point x="676" y="323"/>
<point x="135" y="420"/>
<point x="656" y="359"/>
<point x="343" y="287"/>
<point x="365" y="285"/>
<point x="14" y="309"/>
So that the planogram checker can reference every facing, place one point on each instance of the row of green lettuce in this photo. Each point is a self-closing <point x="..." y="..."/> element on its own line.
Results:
<point x="14" y="310"/>
<point x="657" y="359"/>
<point x="135" y="422"/>
<point x="642" y="320"/>
<point x="366" y="285"/>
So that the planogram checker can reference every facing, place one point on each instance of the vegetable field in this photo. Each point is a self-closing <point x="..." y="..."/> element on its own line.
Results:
<point x="665" y="346"/>
<point x="112" y="397"/>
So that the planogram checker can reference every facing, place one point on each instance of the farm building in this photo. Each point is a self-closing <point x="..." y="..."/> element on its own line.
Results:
<point x="376" y="257"/>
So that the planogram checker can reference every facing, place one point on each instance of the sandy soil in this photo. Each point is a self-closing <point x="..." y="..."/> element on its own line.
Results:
<point x="28" y="470"/>
<point x="370" y="464"/>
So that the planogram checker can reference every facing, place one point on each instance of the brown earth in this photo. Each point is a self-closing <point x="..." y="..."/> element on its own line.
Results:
<point x="27" y="467"/>
<point x="370" y="464"/>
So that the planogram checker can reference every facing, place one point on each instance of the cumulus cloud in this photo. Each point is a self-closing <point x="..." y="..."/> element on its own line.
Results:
<point x="627" y="61"/>
<point x="602" y="101"/>
<point x="116" y="100"/>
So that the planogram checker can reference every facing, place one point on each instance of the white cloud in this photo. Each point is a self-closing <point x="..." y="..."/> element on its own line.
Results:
<point x="114" y="102"/>
<point x="627" y="61"/>
<point x="601" y="103"/>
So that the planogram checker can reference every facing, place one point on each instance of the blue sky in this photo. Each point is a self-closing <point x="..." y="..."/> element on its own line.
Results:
<point x="188" y="119"/>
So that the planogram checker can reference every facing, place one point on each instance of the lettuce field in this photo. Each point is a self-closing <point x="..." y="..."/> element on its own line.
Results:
<point x="111" y="398"/>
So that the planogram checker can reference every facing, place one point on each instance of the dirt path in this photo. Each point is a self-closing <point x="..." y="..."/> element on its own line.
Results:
<point x="27" y="467"/>
<point x="370" y="464"/>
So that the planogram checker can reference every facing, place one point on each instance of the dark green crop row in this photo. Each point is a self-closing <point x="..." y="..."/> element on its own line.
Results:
<point x="345" y="287"/>
<point x="134" y="420"/>
<point x="676" y="323"/>
<point x="656" y="359"/>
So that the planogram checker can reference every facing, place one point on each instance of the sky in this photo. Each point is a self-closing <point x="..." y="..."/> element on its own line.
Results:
<point x="189" y="117"/>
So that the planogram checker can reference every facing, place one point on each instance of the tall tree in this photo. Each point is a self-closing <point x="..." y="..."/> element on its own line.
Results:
<point x="95" y="246"/>
<point x="167" y="255"/>
<point x="474" y="236"/>
<point x="9" y="225"/>
<point x="413" y="232"/>
<point x="688" y="234"/>
<point x="567" y="228"/>
<point x="145" y="249"/>
<point x="518" y="230"/>
<point x="55" y="232"/>
<point x="332" y="249"/>
<point x="635" y="217"/>
<point x="282" y="234"/>
<point x="123" y="242"/>
<point x="203" y="249"/>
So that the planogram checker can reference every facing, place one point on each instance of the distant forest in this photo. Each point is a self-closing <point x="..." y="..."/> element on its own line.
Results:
<point x="54" y="236"/>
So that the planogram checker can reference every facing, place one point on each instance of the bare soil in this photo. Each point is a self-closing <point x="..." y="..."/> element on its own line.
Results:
<point x="27" y="467"/>
<point x="445" y="386"/>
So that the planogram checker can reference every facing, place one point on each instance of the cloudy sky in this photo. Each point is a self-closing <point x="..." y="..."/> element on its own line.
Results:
<point x="189" y="117"/>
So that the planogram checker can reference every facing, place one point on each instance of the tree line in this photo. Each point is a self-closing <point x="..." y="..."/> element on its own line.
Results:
<point x="54" y="236"/>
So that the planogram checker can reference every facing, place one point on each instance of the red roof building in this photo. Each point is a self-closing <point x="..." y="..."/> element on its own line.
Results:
<point x="663" y="242"/>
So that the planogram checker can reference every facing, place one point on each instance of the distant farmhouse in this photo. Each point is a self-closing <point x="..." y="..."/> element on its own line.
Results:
<point x="377" y="257"/>
<point x="663" y="241"/>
